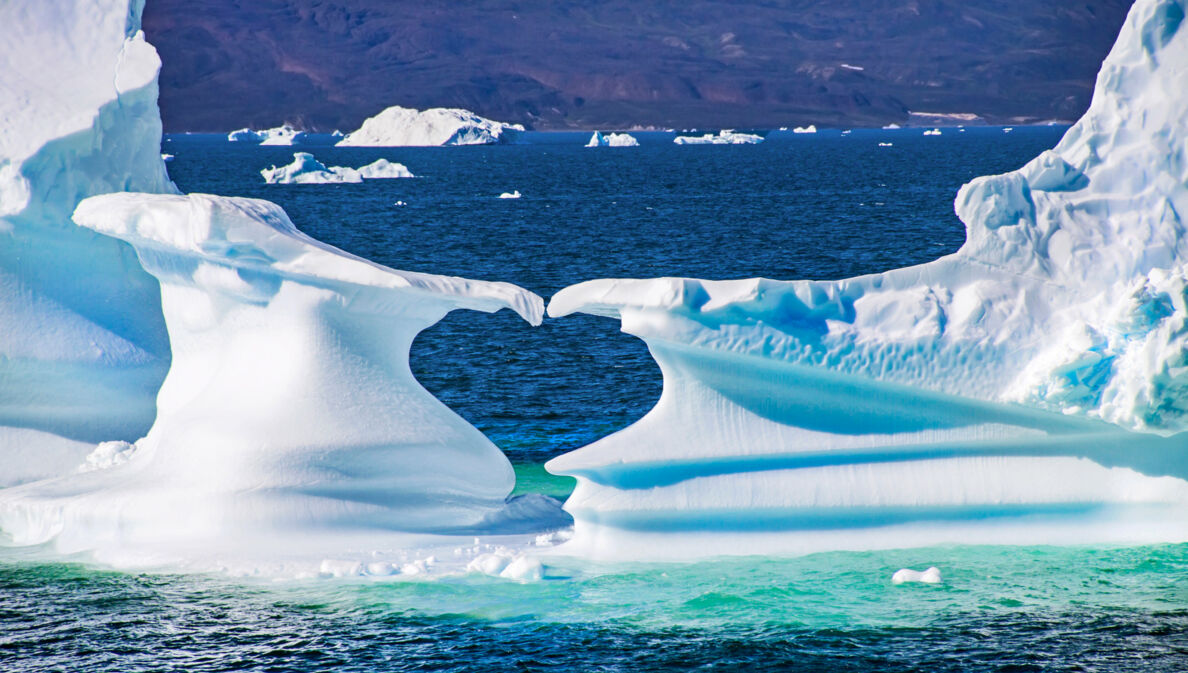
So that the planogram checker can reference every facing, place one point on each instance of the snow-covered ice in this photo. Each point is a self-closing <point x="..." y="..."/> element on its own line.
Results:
<point x="905" y="575"/>
<point x="1030" y="388"/>
<point x="289" y="409"/>
<point x="723" y="137"/>
<point x="405" y="127"/>
<point x="83" y="346"/>
<point x="612" y="140"/>
<point x="305" y="169"/>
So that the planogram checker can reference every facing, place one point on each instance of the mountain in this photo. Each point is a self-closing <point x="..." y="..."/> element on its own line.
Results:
<point x="326" y="64"/>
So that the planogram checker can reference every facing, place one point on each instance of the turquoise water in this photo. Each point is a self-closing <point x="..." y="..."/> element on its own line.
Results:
<point x="825" y="206"/>
<point x="998" y="609"/>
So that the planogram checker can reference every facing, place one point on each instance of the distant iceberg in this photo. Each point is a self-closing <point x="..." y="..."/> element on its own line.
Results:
<point x="1030" y="388"/>
<point x="281" y="135"/>
<point x="83" y="347"/>
<point x="723" y="137"/>
<point x="305" y="169"/>
<point x="932" y="132"/>
<point x="612" y="140"/>
<point x="405" y="127"/>
<point x="811" y="128"/>
<point x="382" y="169"/>
<point x="510" y="195"/>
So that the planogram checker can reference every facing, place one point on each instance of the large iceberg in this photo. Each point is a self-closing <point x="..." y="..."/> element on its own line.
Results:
<point x="405" y="127"/>
<point x="83" y="347"/>
<point x="612" y="140"/>
<point x="289" y="412"/>
<point x="1032" y="387"/>
<point x="723" y="137"/>
<point x="305" y="169"/>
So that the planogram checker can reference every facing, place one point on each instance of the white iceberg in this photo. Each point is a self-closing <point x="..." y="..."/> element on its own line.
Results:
<point x="83" y="347"/>
<point x="280" y="135"/>
<point x="305" y="169"/>
<point x="289" y="412"/>
<point x="382" y="169"/>
<point x="932" y="132"/>
<point x="1030" y="388"/>
<point x="723" y="137"/>
<point x="510" y="195"/>
<point x="612" y="140"/>
<point x="811" y="128"/>
<point x="906" y="575"/>
<point x="405" y="127"/>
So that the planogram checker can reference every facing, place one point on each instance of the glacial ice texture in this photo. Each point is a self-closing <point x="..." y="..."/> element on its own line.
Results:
<point x="405" y="127"/>
<point x="305" y="169"/>
<point x="1032" y="387"/>
<point x="83" y="347"/>
<point x="289" y="411"/>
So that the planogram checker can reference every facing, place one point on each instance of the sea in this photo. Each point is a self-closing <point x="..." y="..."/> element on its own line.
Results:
<point x="821" y="206"/>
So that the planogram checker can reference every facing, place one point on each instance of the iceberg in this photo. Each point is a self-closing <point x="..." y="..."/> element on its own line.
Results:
<point x="510" y="195"/>
<point x="723" y="137"/>
<point x="289" y="412"/>
<point x="807" y="129"/>
<point x="305" y="169"/>
<point x="1030" y="388"/>
<point x="83" y="347"/>
<point x="932" y="132"/>
<point x="612" y="140"/>
<point x="405" y="127"/>
<point x="280" y="135"/>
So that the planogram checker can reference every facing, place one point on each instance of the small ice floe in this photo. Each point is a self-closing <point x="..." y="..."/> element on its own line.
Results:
<point x="510" y="195"/>
<point x="886" y="144"/>
<point x="505" y="564"/>
<point x="107" y="455"/>
<point x="400" y="203"/>
<point x="1008" y="129"/>
<point x="930" y="576"/>
<point x="932" y="132"/>
<point x="166" y="157"/>
<point x="811" y="128"/>
<point x="847" y="132"/>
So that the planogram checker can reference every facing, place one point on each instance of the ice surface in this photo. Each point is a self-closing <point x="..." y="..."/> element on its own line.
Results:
<point x="1030" y="388"/>
<point x="405" y="127"/>
<point x="905" y="575"/>
<point x="289" y="410"/>
<point x="83" y="346"/>
<point x="305" y="169"/>
<point x="723" y="137"/>
<point x="612" y="140"/>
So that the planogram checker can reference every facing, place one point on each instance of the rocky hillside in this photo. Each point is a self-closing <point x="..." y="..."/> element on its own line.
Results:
<point x="326" y="64"/>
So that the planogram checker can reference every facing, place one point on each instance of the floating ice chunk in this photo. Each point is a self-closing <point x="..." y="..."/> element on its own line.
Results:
<point x="401" y="127"/>
<point x="612" y="140"/>
<point x="337" y="568"/>
<point x="723" y="137"/>
<point x="83" y="347"/>
<point x="1007" y="129"/>
<point x="510" y="195"/>
<point x="524" y="568"/>
<point x="281" y="135"/>
<point x="1030" y="388"/>
<point x="892" y="126"/>
<point x="166" y="157"/>
<point x="930" y="576"/>
<point x="811" y="128"/>
<point x="383" y="169"/>
<point x="289" y="411"/>
<point x="886" y="144"/>
<point x="305" y="169"/>
<point x="244" y="135"/>
<point x="400" y="203"/>
<point x="508" y="565"/>
<point x="932" y="132"/>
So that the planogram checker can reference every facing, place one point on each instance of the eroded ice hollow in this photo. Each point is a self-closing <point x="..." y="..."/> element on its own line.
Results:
<point x="1030" y="388"/>
<point x="83" y="347"/>
<point x="289" y="410"/>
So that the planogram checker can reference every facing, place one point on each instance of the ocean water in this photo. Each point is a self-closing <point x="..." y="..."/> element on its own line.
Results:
<point x="823" y="206"/>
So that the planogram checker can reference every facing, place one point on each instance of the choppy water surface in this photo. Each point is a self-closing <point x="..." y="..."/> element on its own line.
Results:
<point x="823" y="206"/>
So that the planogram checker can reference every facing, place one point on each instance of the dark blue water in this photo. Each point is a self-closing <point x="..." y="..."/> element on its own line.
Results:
<point x="822" y="206"/>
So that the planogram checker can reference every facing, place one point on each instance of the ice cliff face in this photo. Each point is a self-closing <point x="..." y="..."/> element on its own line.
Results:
<point x="289" y="410"/>
<point x="83" y="347"/>
<point x="400" y="127"/>
<point x="1037" y="379"/>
